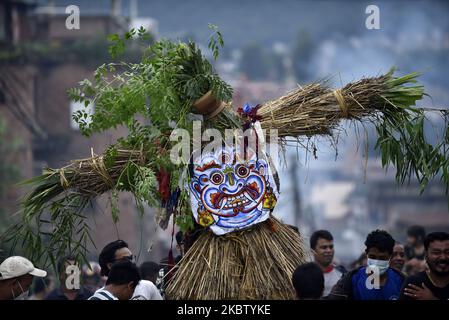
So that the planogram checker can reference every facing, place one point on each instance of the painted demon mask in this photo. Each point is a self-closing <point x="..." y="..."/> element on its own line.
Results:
<point x="228" y="194"/>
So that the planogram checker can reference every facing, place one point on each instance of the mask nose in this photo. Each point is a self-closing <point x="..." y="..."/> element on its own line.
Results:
<point x="231" y="178"/>
<point x="232" y="188"/>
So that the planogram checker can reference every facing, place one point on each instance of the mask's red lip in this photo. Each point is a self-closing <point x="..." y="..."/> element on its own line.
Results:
<point x="218" y="197"/>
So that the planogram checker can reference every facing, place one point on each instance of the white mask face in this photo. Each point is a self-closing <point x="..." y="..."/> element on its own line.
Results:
<point x="381" y="265"/>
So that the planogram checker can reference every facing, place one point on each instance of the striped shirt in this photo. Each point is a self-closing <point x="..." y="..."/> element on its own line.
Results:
<point x="102" y="294"/>
<point x="146" y="290"/>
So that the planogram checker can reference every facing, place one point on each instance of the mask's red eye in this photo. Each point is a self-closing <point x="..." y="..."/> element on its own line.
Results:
<point x="204" y="179"/>
<point x="217" y="177"/>
<point x="242" y="171"/>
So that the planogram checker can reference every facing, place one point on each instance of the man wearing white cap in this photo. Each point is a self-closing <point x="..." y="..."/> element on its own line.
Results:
<point x="16" y="276"/>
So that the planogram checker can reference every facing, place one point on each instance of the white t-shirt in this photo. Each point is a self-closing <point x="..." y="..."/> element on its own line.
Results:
<point x="330" y="279"/>
<point x="102" y="294"/>
<point x="146" y="290"/>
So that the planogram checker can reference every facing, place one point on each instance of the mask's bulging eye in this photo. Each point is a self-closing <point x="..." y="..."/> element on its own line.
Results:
<point x="242" y="171"/>
<point x="217" y="178"/>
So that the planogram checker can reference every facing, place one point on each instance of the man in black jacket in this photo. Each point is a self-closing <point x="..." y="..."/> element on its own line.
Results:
<point x="432" y="284"/>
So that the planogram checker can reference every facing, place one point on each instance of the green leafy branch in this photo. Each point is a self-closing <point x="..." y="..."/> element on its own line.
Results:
<point x="401" y="136"/>
<point x="215" y="41"/>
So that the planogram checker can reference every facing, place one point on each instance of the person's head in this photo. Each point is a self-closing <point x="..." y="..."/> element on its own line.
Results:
<point x="397" y="260"/>
<point x="180" y="245"/>
<point x="414" y="266"/>
<point x="150" y="271"/>
<point x="415" y="235"/>
<point x="16" y="276"/>
<point x="191" y="237"/>
<point x="379" y="249"/>
<point x="322" y="244"/>
<point x="437" y="253"/>
<point x="92" y="275"/>
<point x="308" y="281"/>
<point x="113" y="252"/>
<point x="62" y="266"/>
<point x="123" y="277"/>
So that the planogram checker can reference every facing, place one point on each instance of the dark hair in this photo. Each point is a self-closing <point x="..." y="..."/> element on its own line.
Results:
<point x="417" y="232"/>
<point x="149" y="269"/>
<point x="107" y="255"/>
<point x="320" y="234"/>
<point x="381" y="240"/>
<point x="308" y="281"/>
<point x="63" y="260"/>
<point x="435" y="236"/>
<point x="123" y="272"/>
<point x="192" y="236"/>
<point x="179" y="237"/>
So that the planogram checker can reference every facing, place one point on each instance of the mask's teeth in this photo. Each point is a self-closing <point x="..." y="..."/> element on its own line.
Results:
<point x="247" y="196"/>
<point x="223" y="202"/>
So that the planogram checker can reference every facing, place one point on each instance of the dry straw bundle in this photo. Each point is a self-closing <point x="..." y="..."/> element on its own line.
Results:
<point x="89" y="177"/>
<point x="316" y="110"/>
<point x="255" y="263"/>
<point x="53" y="220"/>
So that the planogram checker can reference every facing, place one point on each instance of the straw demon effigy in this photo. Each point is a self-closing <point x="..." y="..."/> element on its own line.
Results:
<point x="229" y="193"/>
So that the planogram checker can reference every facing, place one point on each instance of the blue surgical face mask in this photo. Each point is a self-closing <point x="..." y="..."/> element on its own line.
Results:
<point x="381" y="265"/>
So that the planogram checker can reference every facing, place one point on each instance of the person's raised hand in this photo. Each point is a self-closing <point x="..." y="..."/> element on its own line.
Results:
<point x="419" y="293"/>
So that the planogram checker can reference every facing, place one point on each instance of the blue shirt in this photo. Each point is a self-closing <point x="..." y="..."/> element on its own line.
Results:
<point x="389" y="291"/>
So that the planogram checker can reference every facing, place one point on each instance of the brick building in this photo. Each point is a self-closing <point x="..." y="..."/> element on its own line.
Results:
<point x="37" y="110"/>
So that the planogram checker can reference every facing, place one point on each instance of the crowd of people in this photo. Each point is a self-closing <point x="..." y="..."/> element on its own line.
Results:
<point x="387" y="270"/>
<point x="115" y="277"/>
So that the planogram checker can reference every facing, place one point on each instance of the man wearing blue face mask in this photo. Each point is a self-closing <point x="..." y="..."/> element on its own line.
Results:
<point x="16" y="276"/>
<point x="376" y="281"/>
